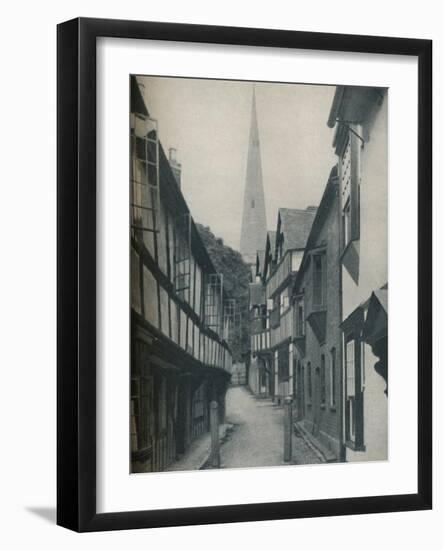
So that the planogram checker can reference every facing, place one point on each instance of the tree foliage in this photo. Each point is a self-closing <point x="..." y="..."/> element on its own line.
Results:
<point x="235" y="272"/>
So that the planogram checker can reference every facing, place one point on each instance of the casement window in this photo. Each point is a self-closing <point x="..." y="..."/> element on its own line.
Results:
<point x="323" y="380"/>
<point x="229" y="318"/>
<point x="145" y="184"/>
<point x="214" y="302"/>
<point x="354" y="392"/>
<point x="319" y="279"/>
<point x="333" y="380"/>
<point x="182" y="257"/>
<point x="349" y="168"/>
<point x="141" y="412"/>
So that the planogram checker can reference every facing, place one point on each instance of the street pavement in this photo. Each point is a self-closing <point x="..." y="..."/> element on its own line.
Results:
<point x="257" y="438"/>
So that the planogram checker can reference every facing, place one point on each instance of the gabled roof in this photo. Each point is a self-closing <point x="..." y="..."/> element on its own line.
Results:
<point x="269" y="252"/>
<point x="260" y="261"/>
<point x="271" y="236"/>
<point x="295" y="226"/>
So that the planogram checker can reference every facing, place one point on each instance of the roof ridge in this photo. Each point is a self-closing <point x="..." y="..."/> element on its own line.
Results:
<point x="309" y="209"/>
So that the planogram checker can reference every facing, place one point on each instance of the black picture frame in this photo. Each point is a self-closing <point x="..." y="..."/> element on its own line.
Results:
<point x="76" y="267"/>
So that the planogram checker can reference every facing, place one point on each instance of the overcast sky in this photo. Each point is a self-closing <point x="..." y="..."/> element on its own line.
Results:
<point x="208" y="121"/>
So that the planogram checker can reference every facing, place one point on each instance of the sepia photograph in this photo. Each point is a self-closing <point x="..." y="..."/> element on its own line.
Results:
<point x="259" y="274"/>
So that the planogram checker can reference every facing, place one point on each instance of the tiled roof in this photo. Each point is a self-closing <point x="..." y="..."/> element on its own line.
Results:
<point x="295" y="226"/>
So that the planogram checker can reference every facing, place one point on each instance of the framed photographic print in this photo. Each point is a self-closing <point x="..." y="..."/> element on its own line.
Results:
<point x="244" y="244"/>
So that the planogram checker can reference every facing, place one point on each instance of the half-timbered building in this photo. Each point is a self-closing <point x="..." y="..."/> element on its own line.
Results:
<point x="180" y="359"/>
<point x="271" y="307"/>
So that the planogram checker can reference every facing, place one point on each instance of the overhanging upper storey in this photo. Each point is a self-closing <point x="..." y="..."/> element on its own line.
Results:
<point x="293" y="229"/>
<point x="350" y="107"/>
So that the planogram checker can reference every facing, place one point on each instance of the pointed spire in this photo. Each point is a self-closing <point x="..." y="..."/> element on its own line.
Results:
<point x="253" y="231"/>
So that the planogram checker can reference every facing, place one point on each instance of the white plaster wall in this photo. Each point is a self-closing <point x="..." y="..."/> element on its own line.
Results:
<point x="373" y="273"/>
<point x="375" y="414"/>
<point x="373" y="245"/>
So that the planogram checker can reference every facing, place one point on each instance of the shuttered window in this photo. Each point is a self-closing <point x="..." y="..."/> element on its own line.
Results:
<point x="145" y="197"/>
<point x="350" y="188"/>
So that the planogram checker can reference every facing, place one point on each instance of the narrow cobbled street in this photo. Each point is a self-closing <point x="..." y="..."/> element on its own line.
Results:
<point x="257" y="437"/>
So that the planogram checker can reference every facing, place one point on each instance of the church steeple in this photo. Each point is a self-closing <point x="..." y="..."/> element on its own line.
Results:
<point x="253" y="230"/>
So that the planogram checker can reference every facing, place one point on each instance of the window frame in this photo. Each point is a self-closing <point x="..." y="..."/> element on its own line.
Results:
<point x="354" y="402"/>
<point x="322" y="255"/>
<point x="142" y="423"/>
<point x="299" y="319"/>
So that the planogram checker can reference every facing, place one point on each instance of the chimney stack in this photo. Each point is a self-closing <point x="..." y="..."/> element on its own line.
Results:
<point x="176" y="167"/>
